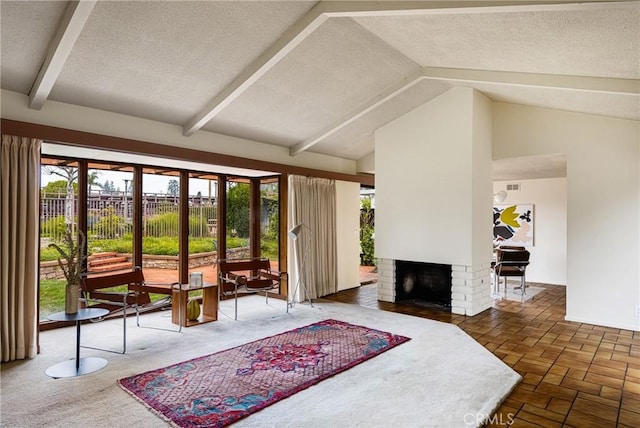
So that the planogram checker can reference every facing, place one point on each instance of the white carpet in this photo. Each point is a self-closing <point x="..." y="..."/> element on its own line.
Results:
<point x="441" y="378"/>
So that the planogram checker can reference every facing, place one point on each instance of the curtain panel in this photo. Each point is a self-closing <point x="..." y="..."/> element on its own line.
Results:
<point x="19" y="212"/>
<point x="312" y="203"/>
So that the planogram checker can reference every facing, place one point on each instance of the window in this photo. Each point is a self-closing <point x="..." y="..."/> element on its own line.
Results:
<point x="132" y="216"/>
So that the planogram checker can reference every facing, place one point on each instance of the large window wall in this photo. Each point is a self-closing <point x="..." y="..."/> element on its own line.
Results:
<point x="109" y="213"/>
<point x="203" y="225"/>
<point x="165" y="220"/>
<point x="270" y="220"/>
<point x="58" y="219"/>
<point x="238" y="227"/>
<point x="160" y="224"/>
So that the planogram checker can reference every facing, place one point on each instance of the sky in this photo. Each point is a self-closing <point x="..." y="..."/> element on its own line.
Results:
<point x="150" y="183"/>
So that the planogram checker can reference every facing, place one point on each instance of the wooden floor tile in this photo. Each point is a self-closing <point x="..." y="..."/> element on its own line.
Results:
<point x="611" y="393"/>
<point x="553" y="379"/>
<point x="578" y="419"/>
<point x="599" y="399"/>
<point x="574" y="375"/>
<point x="580" y="385"/>
<point x="560" y="406"/>
<point x="595" y="409"/>
<point x="603" y="380"/>
<point x="629" y="403"/>
<point x="607" y="371"/>
<point x="557" y="391"/>
<point x="631" y="419"/>
<point x="544" y="413"/>
<point x="537" y="419"/>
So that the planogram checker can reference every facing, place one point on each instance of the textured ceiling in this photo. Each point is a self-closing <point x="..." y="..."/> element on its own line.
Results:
<point x="164" y="60"/>
<point x="319" y="77"/>
<point x="596" y="42"/>
<point x="331" y="72"/>
<point x="530" y="167"/>
<point x="26" y="29"/>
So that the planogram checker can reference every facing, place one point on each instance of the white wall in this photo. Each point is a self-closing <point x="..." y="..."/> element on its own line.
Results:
<point x="549" y="250"/>
<point x="481" y="183"/>
<point x="15" y="107"/>
<point x="367" y="164"/>
<point x="603" y="203"/>
<point x="429" y="163"/>
<point x="348" y="234"/>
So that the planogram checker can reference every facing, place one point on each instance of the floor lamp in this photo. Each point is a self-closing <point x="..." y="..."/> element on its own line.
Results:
<point x="294" y="233"/>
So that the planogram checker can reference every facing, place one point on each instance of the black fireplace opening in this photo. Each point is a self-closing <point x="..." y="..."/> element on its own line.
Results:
<point x="424" y="284"/>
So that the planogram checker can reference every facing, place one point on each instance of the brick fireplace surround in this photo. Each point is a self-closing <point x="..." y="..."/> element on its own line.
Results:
<point x="470" y="286"/>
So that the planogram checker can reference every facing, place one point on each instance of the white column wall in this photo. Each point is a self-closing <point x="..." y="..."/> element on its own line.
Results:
<point x="549" y="252"/>
<point x="603" y="203"/>
<point x="424" y="182"/>
<point x="348" y="234"/>
<point x="433" y="192"/>
<point x="481" y="216"/>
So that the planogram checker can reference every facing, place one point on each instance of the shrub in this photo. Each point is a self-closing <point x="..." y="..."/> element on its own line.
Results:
<point x="165" y="224"/>
<point x="206" y="211"/>
<point x="123" y="245"/>
<point x="110" y="225"/>
<point x="161" y="246"/>
<point x="238" y="210"/>
<point x="201" y="245"/>
<point x="269" y="248"/>
<point x="367" y="243"/>
<point x="53" y="227"/>
<point x="273" y="227"/>
<point x="198" y="226"/>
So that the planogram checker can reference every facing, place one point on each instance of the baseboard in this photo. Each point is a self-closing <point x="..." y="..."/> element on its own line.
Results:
<point x="603" y="323"/>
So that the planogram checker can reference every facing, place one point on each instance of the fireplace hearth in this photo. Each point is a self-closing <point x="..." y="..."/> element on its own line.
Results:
<point x="469" y="289"/>
<point x="423" y="284"/>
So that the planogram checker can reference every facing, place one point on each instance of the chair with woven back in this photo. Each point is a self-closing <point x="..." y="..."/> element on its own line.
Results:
<point x="511" y="263"/>
<point x="98" y="290"/>
<point x="251" y="275"/>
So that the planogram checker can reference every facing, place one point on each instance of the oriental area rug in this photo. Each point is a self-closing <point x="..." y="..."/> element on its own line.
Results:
<point x="219" y="389"/>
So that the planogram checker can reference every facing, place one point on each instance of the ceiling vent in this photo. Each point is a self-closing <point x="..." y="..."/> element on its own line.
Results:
<point x="514" y="187"/>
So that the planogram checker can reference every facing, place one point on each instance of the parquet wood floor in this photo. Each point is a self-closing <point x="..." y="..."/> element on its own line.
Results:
<point x="574" y="375"/>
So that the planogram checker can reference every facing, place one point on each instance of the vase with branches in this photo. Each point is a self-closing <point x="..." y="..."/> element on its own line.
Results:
<point x="71" y="260"/>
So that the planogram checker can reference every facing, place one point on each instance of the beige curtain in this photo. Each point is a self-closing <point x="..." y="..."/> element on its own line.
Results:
<point x="312" y="202"/>
<point x="19" y="198"/>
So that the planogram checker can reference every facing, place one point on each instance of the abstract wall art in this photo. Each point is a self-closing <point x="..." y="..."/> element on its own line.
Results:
<point x="513" y="225"/>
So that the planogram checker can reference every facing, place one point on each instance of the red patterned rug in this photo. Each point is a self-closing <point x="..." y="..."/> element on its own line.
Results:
<point x="219" y="389"/>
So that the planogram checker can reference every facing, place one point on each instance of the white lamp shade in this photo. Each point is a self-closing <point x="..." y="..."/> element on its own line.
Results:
<point x="295" y="231"/>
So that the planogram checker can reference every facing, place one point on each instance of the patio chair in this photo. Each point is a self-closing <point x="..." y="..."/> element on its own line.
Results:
<point x="96" y="291"/>
<point x="247" y="276"/>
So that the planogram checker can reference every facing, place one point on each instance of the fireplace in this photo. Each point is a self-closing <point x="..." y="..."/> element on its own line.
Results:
<point x="468" y="288"/>
<point x="425" y="284"/>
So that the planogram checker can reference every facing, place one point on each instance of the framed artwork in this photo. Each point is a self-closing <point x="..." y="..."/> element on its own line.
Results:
<point x="513" y="225"/>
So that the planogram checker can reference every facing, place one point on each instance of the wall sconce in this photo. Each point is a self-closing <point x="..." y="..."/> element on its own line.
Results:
<point x="499" y="197"/>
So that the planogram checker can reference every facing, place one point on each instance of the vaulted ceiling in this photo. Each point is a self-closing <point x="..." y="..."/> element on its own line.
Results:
<point x="318" y="76"/>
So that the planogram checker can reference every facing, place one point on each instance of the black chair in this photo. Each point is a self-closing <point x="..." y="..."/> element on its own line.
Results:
<point x="511" y="263"/>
